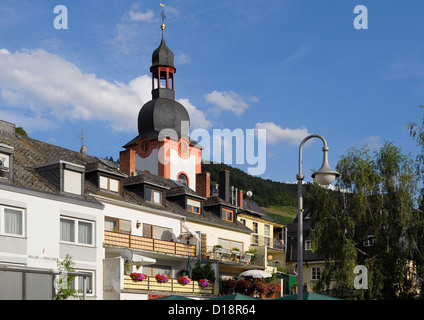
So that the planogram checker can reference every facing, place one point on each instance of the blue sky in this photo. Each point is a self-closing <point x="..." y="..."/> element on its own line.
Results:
<point x="292" y="67"/>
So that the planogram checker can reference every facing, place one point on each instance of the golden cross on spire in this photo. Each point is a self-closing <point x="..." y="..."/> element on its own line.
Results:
<point x="163" y="16"/>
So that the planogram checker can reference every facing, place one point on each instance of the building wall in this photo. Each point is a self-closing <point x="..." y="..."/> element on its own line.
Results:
<point x="40" y="246"/>
<point x="261" y="227"/>
<point x="149" y="163"/>
<point x="214" y="233"/>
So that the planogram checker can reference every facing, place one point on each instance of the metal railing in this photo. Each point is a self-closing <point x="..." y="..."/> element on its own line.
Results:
<point x="229" y="256"/>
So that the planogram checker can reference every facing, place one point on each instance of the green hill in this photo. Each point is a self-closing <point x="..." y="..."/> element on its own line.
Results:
<point x="278" y="199"/>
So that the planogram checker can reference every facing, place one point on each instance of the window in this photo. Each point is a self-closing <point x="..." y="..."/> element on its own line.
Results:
<point x="370" y="240"/>
<point x="110" y="184"/>
<point x="243" y="221"/>
<point x="308" y="245"/>
<point x="117" y="225"/>
<point x="193" y="206"/>
<point x="255" y="236"/>
<point x="227" y="215"/>
<point x="315" y="273"/>
<point x="5" y="160"/>
<point x="230" y="244"/>
<point x="155" y="269"/>
<point x="183" y="179"/>
<point x="76" y="231"/>
<point x="156" y="232"/>
<point x="152" y="195"/>
<point x="72" y="181"/>
<point x="267" y="235"/>
<point x="12" y="221"/>
<point x="77" y="284"/>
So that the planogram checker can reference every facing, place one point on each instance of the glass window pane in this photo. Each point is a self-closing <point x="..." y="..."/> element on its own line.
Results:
<point x="13" y="221"/>
<point x="85" y="234"/>
<point x="157" y="196"/>
<point x="67" y="230"/>
<point x="148" y="194"/>
<point x="114" y="185"/>
<point x="103" y="182"/>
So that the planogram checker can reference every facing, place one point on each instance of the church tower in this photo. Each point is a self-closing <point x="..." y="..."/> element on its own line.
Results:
<point x="163" y="146"/>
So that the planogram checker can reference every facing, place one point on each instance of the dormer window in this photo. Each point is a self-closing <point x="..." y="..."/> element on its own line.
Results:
<point x="193" y="206"/>
<point x="73" y="178"/>
<point x="153" y="195"/>
<point x="110" y="184"/>
<point x="227" y="215"/>
<point x="5" y="160"/>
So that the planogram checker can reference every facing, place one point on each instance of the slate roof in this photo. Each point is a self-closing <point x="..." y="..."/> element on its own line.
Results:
<point x="308" y="255"/>
<point x="29" y="154"/>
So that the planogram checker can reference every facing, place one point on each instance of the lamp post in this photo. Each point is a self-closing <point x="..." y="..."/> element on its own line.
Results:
<point x="324" y="176"/>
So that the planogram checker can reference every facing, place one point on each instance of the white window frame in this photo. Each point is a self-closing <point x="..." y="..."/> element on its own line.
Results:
<point x="108" y="186"/>
<point x="152" y="200"/>
<point x="76" y="235"/>
<point x="255" y="233"/>
<point x="194" y="204"/>
<point x="315" y="273"/>
<point x="308" y="245"/>
<point x="72" y="181"/>
<point x="267" y="237"/>
<point x="90" y="280"/>
<point x="2" y="222"/>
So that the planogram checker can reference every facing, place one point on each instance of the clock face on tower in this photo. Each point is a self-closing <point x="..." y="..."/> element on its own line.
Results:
<point x="144" y="146"/>
<point x="182" y="147"/>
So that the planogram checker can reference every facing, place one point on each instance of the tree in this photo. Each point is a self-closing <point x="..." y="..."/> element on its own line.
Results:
<point x="64" y="288"/>
<point x="203" y="272"/>
<point x="367" y="222"/>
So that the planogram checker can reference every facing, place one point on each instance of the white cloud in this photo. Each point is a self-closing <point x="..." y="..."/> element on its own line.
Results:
<point x="374" y="142"/>
<point x="37" y="84"/>
<point x="182" y="58"/>
<point x="141" y="16"/>
<point x="276" y="134"/>
<point x="197" y="117"/>
<point x="229" y="101"/>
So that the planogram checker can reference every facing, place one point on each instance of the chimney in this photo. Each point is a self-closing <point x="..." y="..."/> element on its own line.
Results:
<point x="203" y="184"/>
<point x="127" y="161"/>
<point x="224" y="185"/>
<point x="240" y="198"/>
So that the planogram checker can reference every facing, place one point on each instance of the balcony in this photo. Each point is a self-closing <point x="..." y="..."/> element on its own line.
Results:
<point x="172" y="286"/>
<point x="229" y="256"/>
<point x="259" y="240"/>
<point x="123" y="240"/>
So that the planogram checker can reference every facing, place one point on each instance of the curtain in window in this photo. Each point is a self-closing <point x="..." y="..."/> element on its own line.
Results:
<point x="85" y="232"/>
<point x="13" y="221"/>
<point x="157" y="196"/>
<point x="67" y="230"/>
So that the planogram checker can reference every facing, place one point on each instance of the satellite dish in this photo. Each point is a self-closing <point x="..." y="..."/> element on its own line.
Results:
<point x="127" y="255"/>
<point x="249" y="193"/>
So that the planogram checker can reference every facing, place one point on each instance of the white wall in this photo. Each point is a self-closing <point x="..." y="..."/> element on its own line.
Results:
<point x="41" y="247"/>
<point x="213" y="233"/>
<point x="179" y="164"/>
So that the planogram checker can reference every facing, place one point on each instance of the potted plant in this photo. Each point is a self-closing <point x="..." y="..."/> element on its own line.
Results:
<point x="135" y="276"/>
<point x="184" y="280"/>
<point x="204" y="283"/>
<point x="162" y="278"/>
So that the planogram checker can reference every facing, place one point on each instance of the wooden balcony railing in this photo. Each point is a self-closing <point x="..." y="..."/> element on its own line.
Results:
<point x="151" y="284"/>
<point x="123" y="240"/>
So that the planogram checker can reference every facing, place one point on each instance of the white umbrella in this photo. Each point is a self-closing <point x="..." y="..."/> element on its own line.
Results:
<point x="256" y="274"/>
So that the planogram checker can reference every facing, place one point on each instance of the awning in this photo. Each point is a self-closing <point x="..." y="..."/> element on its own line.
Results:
<point x="190" y="230"/>
<point x="137" y="259"/>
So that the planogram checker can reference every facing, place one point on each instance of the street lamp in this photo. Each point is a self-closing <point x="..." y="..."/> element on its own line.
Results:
<point x="324" y="176"/>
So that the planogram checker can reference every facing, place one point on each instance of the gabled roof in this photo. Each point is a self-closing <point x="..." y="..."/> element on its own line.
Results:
<point x="29" y="155"/>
